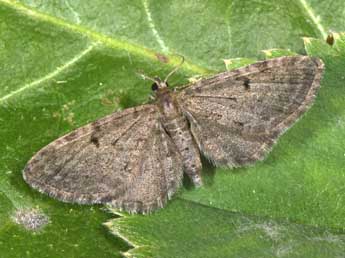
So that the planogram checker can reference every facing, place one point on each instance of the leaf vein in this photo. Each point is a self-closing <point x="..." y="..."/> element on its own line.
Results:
<point x="50" y="75"/>
<point x="159" y="40"/>
<point x="98" y="37"/>
<point x="314" y="18"/>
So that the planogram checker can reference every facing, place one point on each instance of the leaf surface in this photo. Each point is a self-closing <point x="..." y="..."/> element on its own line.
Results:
<point x="66" y="63"/>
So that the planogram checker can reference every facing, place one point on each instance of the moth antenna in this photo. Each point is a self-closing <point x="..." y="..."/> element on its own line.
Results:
<point x="145" y="77"/>
<point x="175" y="69"/>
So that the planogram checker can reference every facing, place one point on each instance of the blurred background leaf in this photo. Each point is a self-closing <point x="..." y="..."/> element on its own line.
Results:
<point x="65" y="63"/>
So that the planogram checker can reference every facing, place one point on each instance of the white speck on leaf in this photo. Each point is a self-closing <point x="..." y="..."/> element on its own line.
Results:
<point x="31" y="219"/>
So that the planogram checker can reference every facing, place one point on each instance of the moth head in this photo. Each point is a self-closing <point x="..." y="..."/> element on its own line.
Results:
<point x="159" y="84"/>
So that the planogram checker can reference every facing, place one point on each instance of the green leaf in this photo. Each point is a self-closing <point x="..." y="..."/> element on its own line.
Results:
<point x="188" y="229"/>
<point x="273" y="53"/>
<point x="234" y="63"/>
<point x="203" y="31"/>
<point x="65" y="63"/>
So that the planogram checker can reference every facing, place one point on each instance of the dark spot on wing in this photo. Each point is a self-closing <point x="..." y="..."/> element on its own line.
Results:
<point x="239" y="123"/>
<point x="198" y="89"/>
<point x="246" y="83"/>
<point x="115" y="141"/>
<point x="218" y="116"/>
<point x="94" y="140"/>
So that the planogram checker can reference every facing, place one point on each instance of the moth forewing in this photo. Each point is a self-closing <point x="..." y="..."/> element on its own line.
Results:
<point x="134" y="159"/>
<point x="125" y="159"/>
<point x="237" y="116"/>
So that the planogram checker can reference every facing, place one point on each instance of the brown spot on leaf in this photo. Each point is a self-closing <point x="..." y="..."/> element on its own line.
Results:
<point x="162" y="58"/>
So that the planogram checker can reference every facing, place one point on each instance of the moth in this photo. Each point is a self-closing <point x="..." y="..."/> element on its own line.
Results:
<point x="134" y="159"/>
